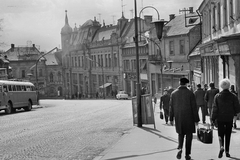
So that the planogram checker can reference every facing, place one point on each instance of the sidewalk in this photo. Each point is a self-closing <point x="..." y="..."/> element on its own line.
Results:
<point x="147" y="143"/>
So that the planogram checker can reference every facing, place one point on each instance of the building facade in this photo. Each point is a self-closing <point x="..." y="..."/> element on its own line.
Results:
<point x="22" y="64"/>
<point x="168" y="61"/>
<point x="96" y="58"/>
<point x="220" y="50"/>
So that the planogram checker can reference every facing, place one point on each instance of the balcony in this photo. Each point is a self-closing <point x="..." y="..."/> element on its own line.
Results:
<point x="154" y="59"/>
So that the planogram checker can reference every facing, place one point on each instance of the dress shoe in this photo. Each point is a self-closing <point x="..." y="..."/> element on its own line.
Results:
<point x="220" y="153"/>
<point x="187" y="157"/>
<point x="227" y="154"/>
<point x="179" y="154"/>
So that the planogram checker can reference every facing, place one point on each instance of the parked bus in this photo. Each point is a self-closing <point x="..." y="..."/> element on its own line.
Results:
<point x="16" y="95"/>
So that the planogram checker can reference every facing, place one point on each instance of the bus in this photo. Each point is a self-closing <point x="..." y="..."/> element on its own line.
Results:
<point x="17" y="95"/>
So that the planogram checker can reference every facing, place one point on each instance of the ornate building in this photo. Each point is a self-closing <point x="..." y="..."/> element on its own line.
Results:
<point x="93" y="56"/>
<point x="23" y="61"/>
<point x="220" y="51"/>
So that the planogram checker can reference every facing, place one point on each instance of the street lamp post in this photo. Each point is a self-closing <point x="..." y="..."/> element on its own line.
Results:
<point x="138" y="94"/>
<point x="102" y="74"/>
<point x="159" y="28"/>
<point x="36" y="65"/>
<point x="159" y="24"/>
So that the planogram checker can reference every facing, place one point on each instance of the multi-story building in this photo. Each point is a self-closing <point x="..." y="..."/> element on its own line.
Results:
<point x="220" y="49"/>
<point x="129" y="56"/>
<point x="96" y="54"/>
<point x="180" y="37"/>
<point x="23" y="61"/>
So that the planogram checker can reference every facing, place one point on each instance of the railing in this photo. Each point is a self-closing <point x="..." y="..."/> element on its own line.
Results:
<point x="154" y="58"/>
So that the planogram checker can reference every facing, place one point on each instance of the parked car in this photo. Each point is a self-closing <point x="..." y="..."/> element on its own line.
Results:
<point x="122" y="95"/>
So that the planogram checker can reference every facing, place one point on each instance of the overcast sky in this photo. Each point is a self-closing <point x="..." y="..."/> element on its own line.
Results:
<point x="40" y="21"/>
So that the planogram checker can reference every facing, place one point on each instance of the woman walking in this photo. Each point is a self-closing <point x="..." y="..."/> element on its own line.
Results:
<point x="225" y="106"/>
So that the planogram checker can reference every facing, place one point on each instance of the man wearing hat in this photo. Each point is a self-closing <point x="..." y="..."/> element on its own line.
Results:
<point x="164" y="104"/>
<point x="183" y="108"/>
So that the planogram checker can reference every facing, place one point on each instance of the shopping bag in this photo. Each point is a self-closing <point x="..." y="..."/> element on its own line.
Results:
<point x="161" y="115"/>
<point x="205" y="135"/>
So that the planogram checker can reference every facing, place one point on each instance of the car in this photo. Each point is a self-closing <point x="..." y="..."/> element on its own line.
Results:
<point x="122" y="95"/>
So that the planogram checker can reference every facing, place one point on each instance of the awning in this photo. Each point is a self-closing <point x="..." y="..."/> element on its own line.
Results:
<point x="105" y="85"/>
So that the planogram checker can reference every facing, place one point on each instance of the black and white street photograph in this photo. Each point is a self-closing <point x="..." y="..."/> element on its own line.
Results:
<point x="119" y="79"/>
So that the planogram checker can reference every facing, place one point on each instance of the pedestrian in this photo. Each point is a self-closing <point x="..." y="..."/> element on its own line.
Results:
<point x="225" y="106"/>
<point x="143" y="91"/>
<point x="155" y="101"/>
<point x="97" y="94"/>
<point x="183" y="108"/>
<point x="164" y="104"/>
<point x="209" y="96"/>
<point x="205" y="88"/>
<point x="170" y="90"/>
<point x="199" y="95"/>
<point x="232" y="89"/>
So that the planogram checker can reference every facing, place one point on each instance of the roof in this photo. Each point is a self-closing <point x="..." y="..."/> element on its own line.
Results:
<point x="177" y="25"/>
<point x="22" y="53"/>
<point x="51" y="59"/>
<point x="195" y="52"/>
<point x="105" y="33"/>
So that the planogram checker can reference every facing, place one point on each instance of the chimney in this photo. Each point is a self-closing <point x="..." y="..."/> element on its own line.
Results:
<point x="33" y="45"/>
<point x="104" y="24"/>
<point x="12" y="47"/>
<point x="171" y="17"/>
<point x="148" y="19"/>
<point x="190" y="9"/>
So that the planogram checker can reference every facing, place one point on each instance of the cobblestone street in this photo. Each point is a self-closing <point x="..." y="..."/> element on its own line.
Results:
<point x="64" y="129"/>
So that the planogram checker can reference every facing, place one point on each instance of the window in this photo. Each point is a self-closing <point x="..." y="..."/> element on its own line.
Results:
<point x="23" y="74"/>
<point x="40" y="72"/>
<point x="171" y="47"/>
<point x="182" y="47"/>
<point x="76" y="62"/>
<point x="79" y="61"/>
<point x="115" y="60"/>
<point x="225" y="14"/>
<point x="237" y="8"/>
<point x="106" y="60"/>
<point x="214" y="18"/>
<point x="72" y="62"/>
<point x="231" y="19"/>
<point x="110" y="60"/>
<point x="59" y="77"/>
<point x="219" y="16"/>
<point x="51" y="77"/>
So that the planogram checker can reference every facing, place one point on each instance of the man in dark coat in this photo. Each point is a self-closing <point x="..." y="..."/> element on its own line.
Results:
<point x="164" y="104"/>
<point x="184" y="108"/>
<point x="209" y="96"/>
<point x="199" y="95"/>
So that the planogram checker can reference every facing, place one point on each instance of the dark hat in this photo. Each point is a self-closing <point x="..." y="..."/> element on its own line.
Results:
<point x="199" y="85"/>
<point x="183" y="81"/>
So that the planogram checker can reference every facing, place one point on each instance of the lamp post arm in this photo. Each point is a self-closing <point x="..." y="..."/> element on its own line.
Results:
<point x="37" y="71"/>
<point x="149" y="7"/>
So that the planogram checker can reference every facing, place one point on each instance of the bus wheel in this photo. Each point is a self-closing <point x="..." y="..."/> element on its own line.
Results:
<point x="8" y="110"/>
<point x="29" y="107"/>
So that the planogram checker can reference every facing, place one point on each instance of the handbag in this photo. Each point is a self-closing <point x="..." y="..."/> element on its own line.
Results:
<point x="161" y="115"/>
<point x="205" y="135"/>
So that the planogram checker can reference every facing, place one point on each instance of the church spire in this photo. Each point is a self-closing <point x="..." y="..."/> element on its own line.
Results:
<point x="66" y="18"/>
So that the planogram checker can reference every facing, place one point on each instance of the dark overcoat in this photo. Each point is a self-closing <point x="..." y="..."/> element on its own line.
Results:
<point x="183" y="108"/>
